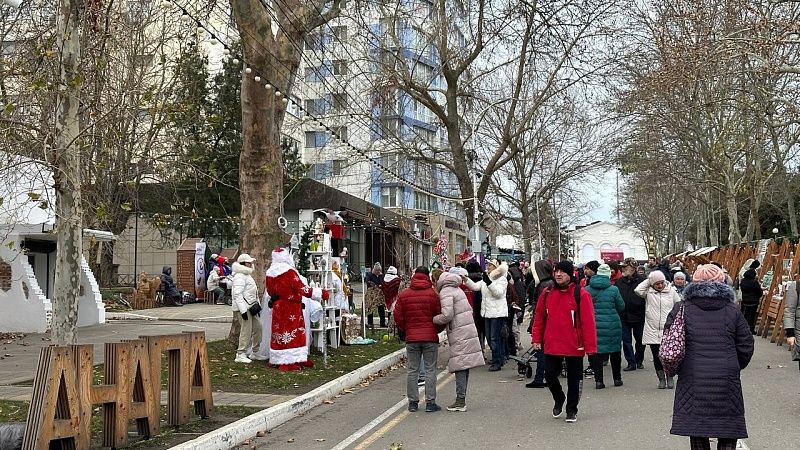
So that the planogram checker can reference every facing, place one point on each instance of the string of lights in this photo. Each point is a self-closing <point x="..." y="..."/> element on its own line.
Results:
<point x="258" y="77"/>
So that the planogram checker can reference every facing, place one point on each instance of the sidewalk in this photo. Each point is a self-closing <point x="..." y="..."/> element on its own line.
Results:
<point x="194" y="312"/>
<point x="23" y="394"/>
<point x="19" y="358"/>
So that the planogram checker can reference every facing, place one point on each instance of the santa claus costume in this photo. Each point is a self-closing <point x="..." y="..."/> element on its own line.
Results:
<point x="287" y="347"/>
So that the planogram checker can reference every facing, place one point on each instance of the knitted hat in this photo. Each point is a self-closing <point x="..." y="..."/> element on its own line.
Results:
<point x="604" y="270"/>
<point x="656" y="276"/>
<point x="566" y="267"/>
<point x="593" y="265"/>
<point x="245" y="258"/>
<point x="709" y="272"/>
<point x="392" y="270"/>
<point x="755" y="264"/>
<point x="679" y="275"/>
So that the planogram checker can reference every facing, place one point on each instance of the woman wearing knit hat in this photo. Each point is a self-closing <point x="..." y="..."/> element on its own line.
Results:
<point x="708" y="397"/>
<point x="659" y="297"/>
<point x="608" y="305"/>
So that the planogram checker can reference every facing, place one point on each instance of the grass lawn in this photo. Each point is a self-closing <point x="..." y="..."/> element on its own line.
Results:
<point x="11" y="411"/>
<point x="257" y="377"/>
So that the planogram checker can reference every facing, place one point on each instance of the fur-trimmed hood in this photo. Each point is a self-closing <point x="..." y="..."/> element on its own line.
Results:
<point x="500" y="272"/>
<point x="709" y="295"/>
<point x="241" y="268"/>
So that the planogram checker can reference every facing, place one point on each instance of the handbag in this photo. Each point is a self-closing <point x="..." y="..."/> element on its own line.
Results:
<point x="673" y="344"/>
<point x="795" y="350"/>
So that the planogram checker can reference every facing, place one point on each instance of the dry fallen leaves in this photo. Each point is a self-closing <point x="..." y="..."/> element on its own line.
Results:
<point x="328" y="402"/>
<point x="290" y="440"/>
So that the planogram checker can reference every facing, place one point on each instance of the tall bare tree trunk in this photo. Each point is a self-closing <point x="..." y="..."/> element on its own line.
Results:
<point x="702" y="225"/>
<point x="792" y="214"/>
<point x="67" y="162"/>
<point x="734" y="235"/>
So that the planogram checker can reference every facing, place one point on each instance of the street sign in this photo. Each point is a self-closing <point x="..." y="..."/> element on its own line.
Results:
<point x="482" y="234"/>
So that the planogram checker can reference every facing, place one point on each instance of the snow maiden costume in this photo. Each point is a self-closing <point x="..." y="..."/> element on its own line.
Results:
<point x="288" y="347"/>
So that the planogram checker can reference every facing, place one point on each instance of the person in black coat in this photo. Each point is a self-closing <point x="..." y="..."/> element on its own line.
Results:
<point x="633" y="315"/>
<point x="752" y="291"/>
<point x="476" y="275"/>
<point x="172" y="296"/>
<point x="708" y="397"/>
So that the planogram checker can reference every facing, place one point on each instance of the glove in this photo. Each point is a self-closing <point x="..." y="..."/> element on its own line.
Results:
<point x="486" y="279"/>
<point x="272" y="300"/>
<point x="244" y="316"/>
<point x="325" y="294"/>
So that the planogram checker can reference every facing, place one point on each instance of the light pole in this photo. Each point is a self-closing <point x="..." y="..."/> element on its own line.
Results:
<point x="539" y="220"/>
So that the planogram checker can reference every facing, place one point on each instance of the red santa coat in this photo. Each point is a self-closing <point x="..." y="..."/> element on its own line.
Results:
<point x="288" y="342"/>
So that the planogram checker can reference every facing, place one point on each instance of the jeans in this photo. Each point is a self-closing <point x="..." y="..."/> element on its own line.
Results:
<point x="574" y="378"/>
<point x="462" y="378"/>
<point x="540" y="363"/>
<point x="219" y="294"/>
<point x="496" y="343"/>
<point x="416" y="352"/>
<point x="627" y="342"/>
<point x="422" y="370"/>
<point x="616" y="366"/>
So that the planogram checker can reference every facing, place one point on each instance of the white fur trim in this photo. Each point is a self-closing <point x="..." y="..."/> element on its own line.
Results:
<point x="279" y="268"/>
<point x="316" y="294"/>
<point x="281" y="256"/>
<point x="288" y="356"/>
<point x="239" y="268"/>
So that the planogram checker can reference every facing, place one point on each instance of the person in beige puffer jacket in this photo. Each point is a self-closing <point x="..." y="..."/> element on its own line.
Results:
<point x="465" y="350"/>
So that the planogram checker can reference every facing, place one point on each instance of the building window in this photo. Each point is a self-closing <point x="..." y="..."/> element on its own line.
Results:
<point x="340" y="33"/>
<point x="138" y="9"/>
<point x="7" y="48"/>
<point x="339" y="101"/>
<point x="312" y="74"/>
<point x="316" y="106"/>
<point x="390" y="197"/>
<point x="337" y="166"/>
<point x="316" y="138"/>
<point x="340" y="131"/>
<point x="425" y="135"/>
<point x="340" y="67"/>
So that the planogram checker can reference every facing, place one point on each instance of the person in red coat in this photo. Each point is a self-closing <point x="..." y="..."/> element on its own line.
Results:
<point x="287" y="348"/>
<point x="414" y="311"/>
<point x="568" y="332"/>
<point x="390" y="288"/>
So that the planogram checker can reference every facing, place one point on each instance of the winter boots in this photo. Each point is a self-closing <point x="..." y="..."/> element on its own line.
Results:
<point x="662" y="379"/>
<point x="670" y="383"/>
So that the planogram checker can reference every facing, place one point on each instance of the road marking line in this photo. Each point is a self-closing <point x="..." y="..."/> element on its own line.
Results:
<point x="378" y="420"/>
<point x="393" y="423"/>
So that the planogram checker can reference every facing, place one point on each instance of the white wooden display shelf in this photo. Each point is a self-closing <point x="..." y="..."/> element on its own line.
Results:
<point x="318" y="252"/>
<point x="330" y="327"/>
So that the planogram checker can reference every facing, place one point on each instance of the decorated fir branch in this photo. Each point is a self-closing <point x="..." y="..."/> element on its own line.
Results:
<point x="305" y="244"/>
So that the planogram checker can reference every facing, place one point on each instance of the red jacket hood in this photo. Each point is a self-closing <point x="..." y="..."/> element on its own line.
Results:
<point x="420" y="281"/>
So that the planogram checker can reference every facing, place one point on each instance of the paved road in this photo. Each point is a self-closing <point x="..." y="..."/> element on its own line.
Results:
<point x="19" y="358"/>
<point x="503" y="414"/>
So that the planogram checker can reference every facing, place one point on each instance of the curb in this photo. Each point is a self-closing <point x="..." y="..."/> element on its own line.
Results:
<point x="132" y="316"/>
<point x="235" y="433"/>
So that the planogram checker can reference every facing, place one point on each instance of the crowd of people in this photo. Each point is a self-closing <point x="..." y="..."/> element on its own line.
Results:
<point x="591" y="315"/>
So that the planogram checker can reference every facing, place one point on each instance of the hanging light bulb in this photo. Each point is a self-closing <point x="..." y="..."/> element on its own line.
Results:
<point x="267" y="86"/>
<point x="185" y="18"/>
<point x="257" y="78"/>
<point x="225" y="51"/>
<point x="165" y="3"/>
<point x="235" y="60"/>
<point x="248" y="70"/>
<point x="285" y="100"/>
<point x="277" y="93"/>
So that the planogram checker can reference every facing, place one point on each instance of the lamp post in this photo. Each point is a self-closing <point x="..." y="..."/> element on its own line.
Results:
<point x="539" y="220"/>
